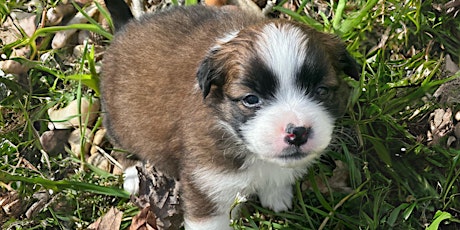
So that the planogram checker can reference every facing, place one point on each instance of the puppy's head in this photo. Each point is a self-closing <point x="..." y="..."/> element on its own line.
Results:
<point x="278" y="87"/>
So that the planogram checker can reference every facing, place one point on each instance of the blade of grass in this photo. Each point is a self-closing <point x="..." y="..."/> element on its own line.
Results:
<point x="90" y="19"/>
<point x="452" y="176"/>
<point x="408" y="211"/>
<point x="301" y="7"/>
<point x="381" y="150"/>
<point x="105" y="14"/>
<point x="38" y="65"/>
<point x="191" y="2"/>
<point x="352" y="22"/>
<point x="53" y="29"/>
<point x="80" y="121"/>
<point x="86" y="79"/>
<point x="303" y="205"/>
<point x="65" y="185"/>
<point x="301" y="18"/>
<point x="56" y="219"/>
<point x="338" y="14"/>
<point x="438" y="218"/>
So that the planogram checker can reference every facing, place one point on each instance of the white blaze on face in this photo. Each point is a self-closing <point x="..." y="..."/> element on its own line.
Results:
<point x="283" y="48"/>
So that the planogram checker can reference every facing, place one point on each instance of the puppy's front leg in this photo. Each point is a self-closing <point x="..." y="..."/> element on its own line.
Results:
<point x="277" y="198"/>
<point x="200" y="211"/>
<point x="210" y="223"/>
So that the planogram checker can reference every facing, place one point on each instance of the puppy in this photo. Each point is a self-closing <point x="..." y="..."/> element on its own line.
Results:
<point x="227" y="103"/>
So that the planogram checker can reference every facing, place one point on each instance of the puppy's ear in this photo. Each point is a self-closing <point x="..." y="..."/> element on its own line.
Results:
<point x="348" y="64"/>
<point x="210" y="72"/>
<point x="120" y="13"/>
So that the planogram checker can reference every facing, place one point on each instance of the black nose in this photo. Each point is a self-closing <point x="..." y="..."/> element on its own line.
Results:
<point x="297" y="135"/>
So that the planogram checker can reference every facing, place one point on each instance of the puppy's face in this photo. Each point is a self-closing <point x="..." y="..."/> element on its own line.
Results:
<point x="277" y="88"/>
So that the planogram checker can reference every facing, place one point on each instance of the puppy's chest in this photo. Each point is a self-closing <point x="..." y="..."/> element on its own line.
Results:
<point x="262" y="174"/>
<point x="225" y="186"/>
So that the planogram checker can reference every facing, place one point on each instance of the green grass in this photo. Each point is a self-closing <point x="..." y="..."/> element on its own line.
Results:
<point x="397" y="180"/>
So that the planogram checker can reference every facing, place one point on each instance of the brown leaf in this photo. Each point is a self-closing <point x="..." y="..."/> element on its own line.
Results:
<point x="144" y="220"/>
<point x="111" y="220"/>
<point x="338" y="182"/>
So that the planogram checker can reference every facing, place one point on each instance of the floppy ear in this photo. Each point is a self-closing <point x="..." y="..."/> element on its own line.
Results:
<point x="346" y="62"/>
<point x="120" y="13"/>
<point x="349" y="65"/>
<point x="210" y="72"/>
<point x="342" y="58"/>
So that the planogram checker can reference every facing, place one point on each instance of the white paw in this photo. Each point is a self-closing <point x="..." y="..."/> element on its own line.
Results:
<point x="131" y="183"/>
<point x="221" y="222"/>
<point x="278" y="199"/>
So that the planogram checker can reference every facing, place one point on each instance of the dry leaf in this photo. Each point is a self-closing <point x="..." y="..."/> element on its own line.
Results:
<point x="111" y="220"/>
<point x="70" y="116"/>
<point x="75" y="141"/>
<point x="97" y="140"/>
<point x="338" y="182"/>
<point x="144" y="220"/>
<point x="54" y="141"/>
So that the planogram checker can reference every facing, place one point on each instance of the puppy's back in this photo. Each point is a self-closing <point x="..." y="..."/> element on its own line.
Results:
<point x="149" y="78"/>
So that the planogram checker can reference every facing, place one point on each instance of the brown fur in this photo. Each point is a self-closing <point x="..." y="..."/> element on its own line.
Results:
<point x="149" y="86"/>
<point x="151" y="102"/>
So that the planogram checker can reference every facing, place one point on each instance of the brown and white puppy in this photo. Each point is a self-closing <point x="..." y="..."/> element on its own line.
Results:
<point x="227" y="103"/>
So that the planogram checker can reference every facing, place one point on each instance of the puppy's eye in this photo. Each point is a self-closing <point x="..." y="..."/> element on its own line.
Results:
<point x="251" y="101"/>
<point x="322" y="92"/>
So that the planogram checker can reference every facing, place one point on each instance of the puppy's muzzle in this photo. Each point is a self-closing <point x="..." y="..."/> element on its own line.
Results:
<point x="297" y="135"/>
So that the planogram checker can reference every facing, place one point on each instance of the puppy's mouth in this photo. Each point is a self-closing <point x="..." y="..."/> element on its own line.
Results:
<point x="292" y="153"/>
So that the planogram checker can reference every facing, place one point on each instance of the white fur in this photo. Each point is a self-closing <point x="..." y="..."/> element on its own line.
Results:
<point x="131" y="182"/>
<point x="224" y="39"/>
<point x="283" y="49"/>
<point x="228" y="37"/>
<point x="271" y="182"/>
<point x="220" y="222"/>
<point x="265" y="133"/>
